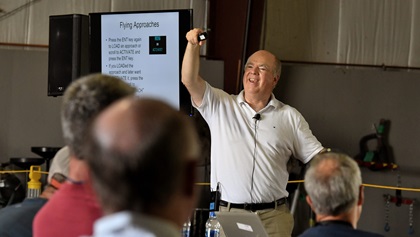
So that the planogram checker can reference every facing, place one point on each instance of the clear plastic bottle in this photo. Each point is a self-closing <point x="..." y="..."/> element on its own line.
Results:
<point x="212" y="226"/>
<point x="186" y="229"/>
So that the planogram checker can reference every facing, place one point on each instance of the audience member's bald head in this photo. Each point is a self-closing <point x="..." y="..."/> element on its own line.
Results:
<point x="144" y="154"/>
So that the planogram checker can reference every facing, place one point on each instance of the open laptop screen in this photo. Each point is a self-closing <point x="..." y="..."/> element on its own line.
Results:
<point x="241" y="224"/>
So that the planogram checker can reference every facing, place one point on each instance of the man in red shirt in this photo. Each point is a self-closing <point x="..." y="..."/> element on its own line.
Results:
<point x="73" y="209"/>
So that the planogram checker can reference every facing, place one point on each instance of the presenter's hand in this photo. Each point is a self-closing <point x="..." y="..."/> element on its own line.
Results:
<point x="192" y="36"/>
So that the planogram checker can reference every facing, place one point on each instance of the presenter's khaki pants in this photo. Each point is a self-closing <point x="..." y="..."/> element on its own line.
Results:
<point x="277" y="222"/>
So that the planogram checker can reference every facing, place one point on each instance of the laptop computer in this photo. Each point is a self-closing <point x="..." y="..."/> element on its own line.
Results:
<point x="243" y="224"/>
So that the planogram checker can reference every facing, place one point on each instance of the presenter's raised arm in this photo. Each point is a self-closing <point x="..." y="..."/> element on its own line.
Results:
<point x="194" y="83"/>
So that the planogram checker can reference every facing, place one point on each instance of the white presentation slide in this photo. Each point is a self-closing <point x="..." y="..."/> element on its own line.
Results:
<point x="143" y="50"/>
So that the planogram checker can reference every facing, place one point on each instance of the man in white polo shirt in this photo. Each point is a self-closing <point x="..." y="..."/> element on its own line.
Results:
<point x="253" y="135"/>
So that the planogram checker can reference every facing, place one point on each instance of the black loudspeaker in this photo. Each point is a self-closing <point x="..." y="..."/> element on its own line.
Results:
<point x="68" y="51"/>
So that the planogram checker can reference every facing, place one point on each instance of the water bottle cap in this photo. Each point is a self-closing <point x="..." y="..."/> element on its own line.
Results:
<point x="211" y="206"/>
<point x="212" y="214"/>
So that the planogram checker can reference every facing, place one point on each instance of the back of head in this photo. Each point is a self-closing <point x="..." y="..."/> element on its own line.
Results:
<point x="140" y="151"/>
<point x="83" y="100"/>
<point x="333" y="183"/>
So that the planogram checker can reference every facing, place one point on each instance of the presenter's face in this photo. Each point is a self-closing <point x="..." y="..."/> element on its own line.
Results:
<point x="260" y="78"/>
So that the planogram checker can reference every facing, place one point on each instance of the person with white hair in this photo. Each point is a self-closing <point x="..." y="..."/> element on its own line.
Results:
<point x="335" y="193"/>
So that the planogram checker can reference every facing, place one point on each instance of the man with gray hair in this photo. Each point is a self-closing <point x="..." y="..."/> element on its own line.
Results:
<point x="72" y="211"/>
<point x="335" y="193"/>
<point x="143" y="165"/>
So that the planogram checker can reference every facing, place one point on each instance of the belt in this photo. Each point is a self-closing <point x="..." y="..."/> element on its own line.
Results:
<point x="254" y="206"/>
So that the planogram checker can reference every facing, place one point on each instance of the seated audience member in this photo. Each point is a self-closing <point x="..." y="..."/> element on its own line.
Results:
<point x="72" y="211"/>
<point x="335" y="193"/>
<point x="144" y="154"/>
<point x="16" y="220"/>
<point x="60" y="162"/>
